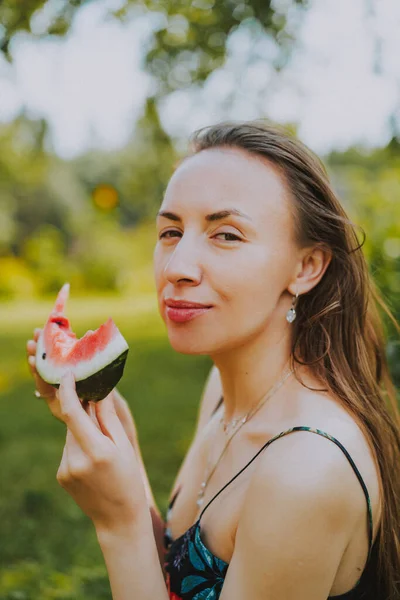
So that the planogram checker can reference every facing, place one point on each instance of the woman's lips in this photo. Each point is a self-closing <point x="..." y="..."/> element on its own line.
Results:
<point x="180" y="315"/>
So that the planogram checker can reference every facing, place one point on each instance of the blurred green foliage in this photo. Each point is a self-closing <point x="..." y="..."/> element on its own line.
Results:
<point x="369" y="185"/>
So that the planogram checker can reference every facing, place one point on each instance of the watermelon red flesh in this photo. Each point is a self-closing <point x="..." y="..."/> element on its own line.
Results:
<point x="97" y="360"/>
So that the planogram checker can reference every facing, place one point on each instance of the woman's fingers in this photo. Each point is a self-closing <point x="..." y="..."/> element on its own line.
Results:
<point x="31" y="347"/>
<point x="32" y="364"/>
<point x="110" y="423"/>
<point x="85" y="432"/>
<point x="90" y="409"/>
<point x="46" y="390"/>
<point x="74" y="464"/>
<point x="77" y="461"/>
<point x="54" y="407"/>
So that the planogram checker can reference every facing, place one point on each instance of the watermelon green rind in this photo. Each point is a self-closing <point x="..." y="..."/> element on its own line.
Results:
<point x="100" y="384"/>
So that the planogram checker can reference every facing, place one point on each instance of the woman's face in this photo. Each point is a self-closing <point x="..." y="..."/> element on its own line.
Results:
<point x="239" y="264"/>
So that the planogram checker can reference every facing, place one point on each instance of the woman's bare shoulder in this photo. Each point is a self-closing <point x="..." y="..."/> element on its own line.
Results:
<point x="326" y="414"/>
<point x="305" y="461"/>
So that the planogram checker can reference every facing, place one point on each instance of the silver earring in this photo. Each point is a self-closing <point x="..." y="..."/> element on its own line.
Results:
<point x="291" y="313"/>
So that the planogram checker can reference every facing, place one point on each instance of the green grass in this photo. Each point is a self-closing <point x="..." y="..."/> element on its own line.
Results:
<point x="49" y="548"/>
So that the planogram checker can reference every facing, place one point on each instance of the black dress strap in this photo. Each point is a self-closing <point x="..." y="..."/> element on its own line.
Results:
<point x="329" y="437"/>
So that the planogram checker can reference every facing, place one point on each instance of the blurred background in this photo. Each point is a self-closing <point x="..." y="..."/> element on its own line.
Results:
<point x="97" y="100"/>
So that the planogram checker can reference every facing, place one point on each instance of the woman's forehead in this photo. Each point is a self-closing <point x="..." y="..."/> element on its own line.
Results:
<point x="216" y="178"/>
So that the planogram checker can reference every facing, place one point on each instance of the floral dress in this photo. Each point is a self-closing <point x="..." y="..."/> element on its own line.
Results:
<point x="195" y="573"/>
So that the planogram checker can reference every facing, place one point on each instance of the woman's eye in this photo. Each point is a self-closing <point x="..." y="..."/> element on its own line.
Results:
<point x="162" y="235"/>
<point x="236" y="237"/>
<point x="233" y="237"/>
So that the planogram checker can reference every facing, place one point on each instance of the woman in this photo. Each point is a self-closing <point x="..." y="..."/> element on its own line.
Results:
<point x="292" y="479"/>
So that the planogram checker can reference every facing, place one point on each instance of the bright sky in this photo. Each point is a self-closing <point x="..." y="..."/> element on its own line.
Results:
<point x="341" y="87"/>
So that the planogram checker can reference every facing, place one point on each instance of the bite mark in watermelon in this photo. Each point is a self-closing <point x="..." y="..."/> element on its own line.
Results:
<point x="97" y="360"/>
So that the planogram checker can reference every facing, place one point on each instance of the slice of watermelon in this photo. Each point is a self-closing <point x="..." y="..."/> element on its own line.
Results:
<point x="97" y="360"/>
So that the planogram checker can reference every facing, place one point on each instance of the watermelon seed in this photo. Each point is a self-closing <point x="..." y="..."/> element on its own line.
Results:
<point x="44" y="355"/>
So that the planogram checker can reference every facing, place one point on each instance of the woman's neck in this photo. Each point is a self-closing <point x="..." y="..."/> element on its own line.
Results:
<point x="249" y="371"/>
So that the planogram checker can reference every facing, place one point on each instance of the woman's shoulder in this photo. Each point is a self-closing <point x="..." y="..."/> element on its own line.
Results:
<point x="301" y="489"/>
<point x="303" y="469"/>
<point x="317" y="412"/>
<point x="321" y="409"/>
<point x="305" y="472"/>
<point x="325" y="446"/>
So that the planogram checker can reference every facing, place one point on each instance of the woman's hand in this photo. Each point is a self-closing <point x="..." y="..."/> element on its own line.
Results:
<point x="99" y="468"/>
<point x="126" y="419"/>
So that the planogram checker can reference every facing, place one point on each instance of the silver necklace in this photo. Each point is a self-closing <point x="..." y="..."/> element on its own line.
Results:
<point x="241" y="421"/>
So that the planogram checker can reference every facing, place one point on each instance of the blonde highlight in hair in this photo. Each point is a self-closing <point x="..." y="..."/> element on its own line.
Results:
<point x="338" y="330"/>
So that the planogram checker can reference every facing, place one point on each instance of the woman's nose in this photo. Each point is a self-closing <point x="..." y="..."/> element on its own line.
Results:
<point x="183" y="264"/>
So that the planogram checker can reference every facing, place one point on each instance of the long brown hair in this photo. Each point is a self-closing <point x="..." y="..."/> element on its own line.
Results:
<point x="339" y="330"/>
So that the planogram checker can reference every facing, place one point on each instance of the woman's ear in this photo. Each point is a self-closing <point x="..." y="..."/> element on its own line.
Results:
<point x="311" y="268"/>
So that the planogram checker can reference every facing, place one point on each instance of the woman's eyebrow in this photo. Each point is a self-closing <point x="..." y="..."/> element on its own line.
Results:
<point x="211" y="217"/>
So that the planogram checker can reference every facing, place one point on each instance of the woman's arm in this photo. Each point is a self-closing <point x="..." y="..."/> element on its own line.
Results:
<point x="129" y="554"/>
<point x="125" y="416"/>
<point x="132" y="563"/>
<point x="100" y="470"/>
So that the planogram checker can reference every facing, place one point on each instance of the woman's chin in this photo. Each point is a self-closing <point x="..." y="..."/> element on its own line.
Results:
<point x="186" y="344"/>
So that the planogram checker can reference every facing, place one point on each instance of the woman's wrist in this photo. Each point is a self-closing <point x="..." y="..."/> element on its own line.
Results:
<point x="121" y="533"/>
<point x="132" y="561"/>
